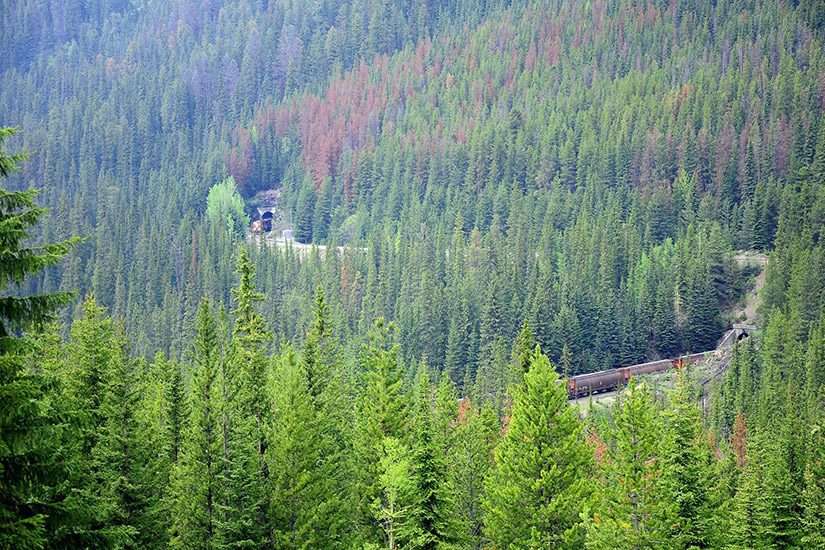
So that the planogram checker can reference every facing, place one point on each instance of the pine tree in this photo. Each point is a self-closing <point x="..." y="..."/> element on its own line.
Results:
<point x="745" y="527"/>
<point x="779" y="522"/>
<point x="102" y="388"/>
<point x="765" y="504"/>
<point x="666" y="337"/>
<point x="323" y="211"/>
<point x="813" y="497"/>
<point x="245" y="474"/>
<point x="523" y="349"/>
<point x="688" y="472"/>
<point x="457" y="355"/>
<point x="566" y="361"/>
<point x="31" y="465"/>
<point x="195" y="477"/>
<point x="305" y="212"/>
<point x="395" y="497"/>
<point x="632" y="506"/>
<point x="536" y="490"/>
<point x="300" y="499"/>
<point x="380" y="413"/>
<point x="702" y="311"/>
<point x="319" y="358"/>
<point x="159" y="424"/>
<point x="117" y="481"/>
<point x="478" y="431"/>
<point x="431" y="519"/>
<point x="330" y="386"/>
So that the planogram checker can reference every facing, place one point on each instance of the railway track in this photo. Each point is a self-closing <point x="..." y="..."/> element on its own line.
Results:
<point x="609" y="380"/>
<point x="606" y="381"/>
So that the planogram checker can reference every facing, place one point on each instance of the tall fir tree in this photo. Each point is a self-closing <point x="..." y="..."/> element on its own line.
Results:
<point x="380" y="413"/>
<point x="32" y="465"/>
<point x="472" y="459"/>
<point x="688" y="471"/>
<point x="537" y="489"/>
<point x="813" y="497"/>
<point x="300" y="504"/>
<point x="245" y="472"/>
<point x="195" y="488"/>
<point x="632" y="508"/>
<point x="331" y="389"/>
<point x="395" y="495"/>
<point x="432" y="516"/>
<point x="102" y="387"/>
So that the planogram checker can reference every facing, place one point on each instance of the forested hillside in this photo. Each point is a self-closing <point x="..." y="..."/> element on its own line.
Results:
<point x="603" y="181"/>
<point x="503" y="194"/>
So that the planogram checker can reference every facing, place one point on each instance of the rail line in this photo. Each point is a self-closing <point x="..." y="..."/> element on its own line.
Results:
<point x="609" y="380"/>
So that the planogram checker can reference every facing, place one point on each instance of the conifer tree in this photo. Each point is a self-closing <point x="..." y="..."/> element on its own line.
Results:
<point x="632" y="506"/>
<point x="523" y="350"/>
<point x="116" y="459"/>
<point x="701" y="311"/>
<point x="194" y="480"/>
<point x="102" y="388"/>
<point x="747" y="502"/>
<point x="395" y="496"/>
<point x="813" y="497"/>
<point x="688" y="468"/>
<point x="664" y="321"/>
<point x="244" y="472"/>
<point x="31" y="465"/>
<point x="536" y="490"/>
<point x="319" y="352"/>
<point x="779" y="521"/>
<point x="478" y="433"/>
<point x="380" y="413"/>
<point x="330" y="387"/>
<point x="305" y="212"/>
<point x="431" y="519"/>
<point x="300" y="504"/>
<point x="160" y="419"/>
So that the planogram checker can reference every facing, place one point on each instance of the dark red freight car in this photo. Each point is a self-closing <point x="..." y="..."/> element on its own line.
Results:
<point x="608" y="380"/>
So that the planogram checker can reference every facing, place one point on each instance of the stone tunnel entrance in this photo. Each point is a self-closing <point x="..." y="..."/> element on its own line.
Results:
<point x="267" y="213"/>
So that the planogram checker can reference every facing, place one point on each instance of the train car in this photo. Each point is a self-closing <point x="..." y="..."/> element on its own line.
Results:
<point x="608" y="380"/>
<point x="650" y="368"/>
<point x="595" y="382"/>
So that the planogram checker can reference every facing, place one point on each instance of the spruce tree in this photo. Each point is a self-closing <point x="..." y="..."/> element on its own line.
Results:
<point x="32" y="465"/>
<point x="666" y="337"/>
<point x="745" y="524"/>
<point x="194" y="479"/>
<point x="779" y="520"/>
<point x="688" y="472"/>
<point x="160" y="420"/>
<point x="19" y="214"/>
<point x="431" y="520"/>
<point x="380" y="413"/>
<point x="536" y="490"/>
<point x="116" y="458"/>
<point x="523" y="350"/>
<point x="472" y="459"/>
<point x="300" y="504"/>
<point x="813" y="497"/>
<point x="305" y="211"/>
<point x="701" y="327"/>
<point x="244" y="472"/>
<point x="632" y="508"/>
<point x="394" y="499"/>
<point x="102" y="387"/>
<point x="331" y="390"/>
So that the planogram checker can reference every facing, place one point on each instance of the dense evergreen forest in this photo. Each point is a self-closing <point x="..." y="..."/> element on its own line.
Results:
<point x="500" y="194"/>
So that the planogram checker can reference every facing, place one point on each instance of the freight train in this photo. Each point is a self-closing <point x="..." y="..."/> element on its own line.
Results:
<point x="608" y="380"/>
